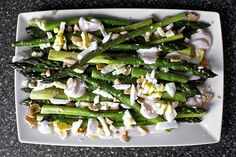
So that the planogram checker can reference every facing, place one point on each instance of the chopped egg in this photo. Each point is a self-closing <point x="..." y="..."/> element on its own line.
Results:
<point x="170" y="88"/>
<point x="168" y="27"/>
<point x="92" y="128"/>
<point x="111" y="105"/>
<point x="123" y="70"/>
<point x="80" y="69"/>
<point x="149" y="56"/>
<point x="41" y="24"/>
<point x="128" y="120"/>
<point x="58" y="101"/>
<point x="133" y="95"/>
<point x="85" y="40"/>
<point x="75" y="126"/>
<point x="43" y="46"/>
<point x="59" y="41"/>
<point x="169" y="33"/>
<point x="111" y="67"/>
<point x="104" y="125"/>
<point x="75" y="88"/>
<point x="125" y="106"/>
<point x="62" y="26"/>
<point x="147" y="36"/>
<point x="93" y="46"/>
<point x="106" y="38"/>
<point x="161" y="107"/>
<point x="161" y="32"/>
<point x="62" y="129"/>
<point x="36" y="54"/>
<point x="170" y="113"/>
<point x="121" y="86"/>
<point x="102" y="93"/>
<point x="166" y="125"/>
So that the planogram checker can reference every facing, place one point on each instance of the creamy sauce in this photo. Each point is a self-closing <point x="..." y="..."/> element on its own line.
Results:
<point x="45" y="128"/>
<point x="149" y="109"/>
<point x="75" y="88"/>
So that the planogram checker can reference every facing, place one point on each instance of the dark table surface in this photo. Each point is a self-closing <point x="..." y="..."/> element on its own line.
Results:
<point x="9" y="144"/>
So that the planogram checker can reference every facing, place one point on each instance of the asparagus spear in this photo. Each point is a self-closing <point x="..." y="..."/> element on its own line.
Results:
<point x="50" y="25"/>
<point x="115" y="123"/>
<point x="190" y="27"/>
<point x="186" y="88"/>
<point x="35" y="32"/>
<point x="38" y="41"/>
<point x="127" y="28"/>
<point x="168" y="47"/>
<point x="52" y="92"/>
<point x="165" y="40"/>
<point x="138" y="72"/>
<point x="133" y="60"/>
<point x="158" y="42"/>
<point x="109" y="77"/>
<point x="52" y="109"/>
<point x="183" y="114"/>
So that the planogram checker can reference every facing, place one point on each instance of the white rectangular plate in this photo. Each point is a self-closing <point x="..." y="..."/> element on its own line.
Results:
<point x="208" y="131"/>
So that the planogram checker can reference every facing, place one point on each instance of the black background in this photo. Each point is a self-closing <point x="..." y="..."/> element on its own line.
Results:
<point x="9" y="144"/>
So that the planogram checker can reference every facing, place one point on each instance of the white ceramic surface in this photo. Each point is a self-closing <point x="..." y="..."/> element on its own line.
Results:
<point x="208" y="131"/>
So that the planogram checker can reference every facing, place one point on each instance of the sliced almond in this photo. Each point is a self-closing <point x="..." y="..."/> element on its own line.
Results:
<point x="192" y="17"/>
<point x="94" y="107"/>
<point x="142" y="130"/>
<point x="100" y="66"/>
<point x="34" y="108"/>
<point x="48" y="73"/>
<point x="31" y="121"/>
<point x="127" y="91"/>
<point x="124" y="138"/>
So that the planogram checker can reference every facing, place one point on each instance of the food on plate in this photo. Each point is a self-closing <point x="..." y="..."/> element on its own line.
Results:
<point x="105" y="77"/>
